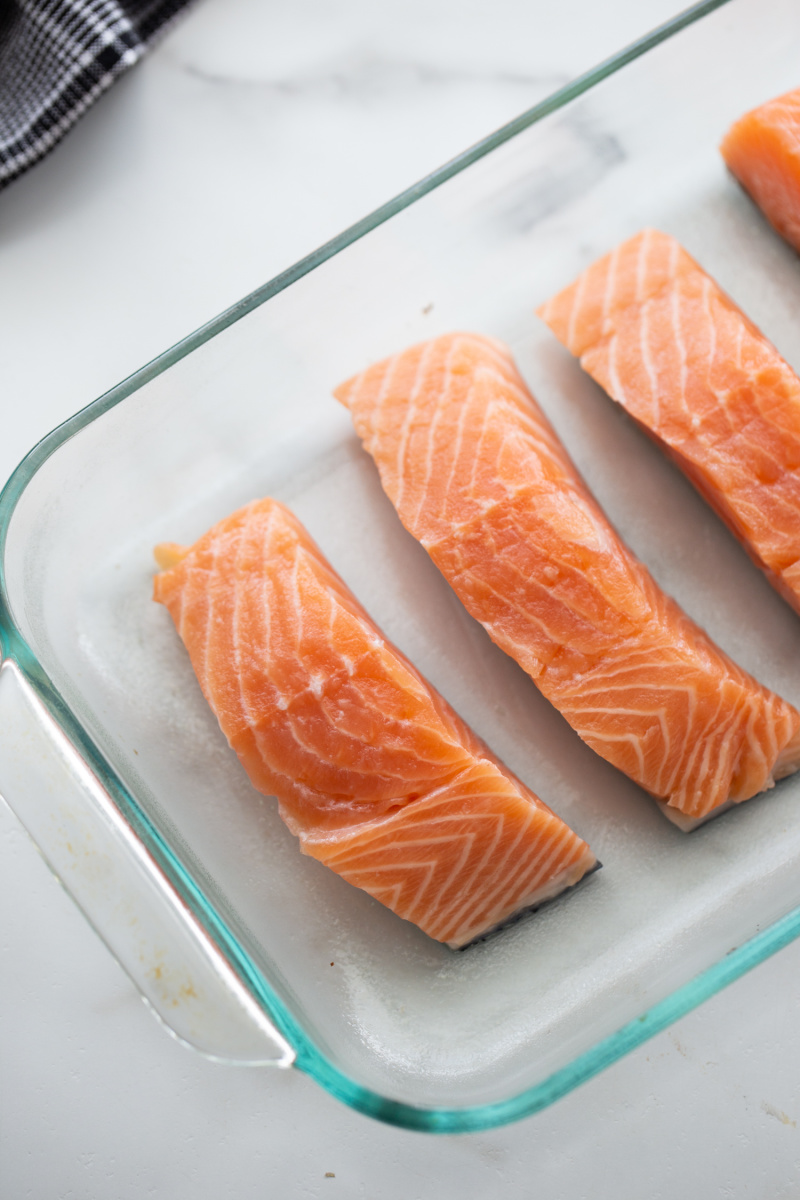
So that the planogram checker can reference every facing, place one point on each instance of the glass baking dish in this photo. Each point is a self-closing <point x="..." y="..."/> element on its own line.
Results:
<point x="111" y="759"/>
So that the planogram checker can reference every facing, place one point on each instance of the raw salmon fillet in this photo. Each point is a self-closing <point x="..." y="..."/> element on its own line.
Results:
<point x="479" y="477"/>
<point x="763" y="151"/>
<point x="666" y="343"/>
<point x="375" y="773"/>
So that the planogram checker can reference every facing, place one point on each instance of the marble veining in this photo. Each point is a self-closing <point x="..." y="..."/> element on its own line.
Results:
<point x="368" y="76"/>
<point x="587" y="153"/>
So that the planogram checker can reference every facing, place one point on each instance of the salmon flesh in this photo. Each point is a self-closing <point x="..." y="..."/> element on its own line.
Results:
<point x="762" y="149"/>
<point x="479" y="477"/>
<point x="653" y="329"/>
<point x="374" y="772"/>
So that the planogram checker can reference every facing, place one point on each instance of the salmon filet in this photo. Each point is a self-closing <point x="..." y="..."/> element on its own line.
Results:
<point x="762" y="149"/>
<point x="374" y="772"/>
<point x="479" y="477"/>
<point x="667" y="344"/>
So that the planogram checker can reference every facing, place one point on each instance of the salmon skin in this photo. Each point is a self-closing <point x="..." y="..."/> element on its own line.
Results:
<point x="477" y="474"/>
<point x="667" y="344"/>
<point x="375" y="774"/>
<point x="762" y="149"/>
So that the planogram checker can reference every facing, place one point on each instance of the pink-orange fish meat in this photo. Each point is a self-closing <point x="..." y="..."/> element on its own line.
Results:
<point x="762" y="149"/>
<point x="477" y="474"/>
<point x="668" y="345"/>
<point x="375" y="773"/>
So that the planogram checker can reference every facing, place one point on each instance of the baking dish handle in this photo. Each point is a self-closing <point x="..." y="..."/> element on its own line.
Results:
<point x="179" y="970"/>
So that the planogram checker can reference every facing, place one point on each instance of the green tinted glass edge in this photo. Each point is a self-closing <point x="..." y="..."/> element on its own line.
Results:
<point x="12" y="644"/>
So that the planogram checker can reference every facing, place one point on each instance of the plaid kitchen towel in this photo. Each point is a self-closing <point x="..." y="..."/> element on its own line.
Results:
<point x="56" y="58"/>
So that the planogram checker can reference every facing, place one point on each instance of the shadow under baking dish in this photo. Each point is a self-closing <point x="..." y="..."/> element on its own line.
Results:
<point x="391" y="1022"/>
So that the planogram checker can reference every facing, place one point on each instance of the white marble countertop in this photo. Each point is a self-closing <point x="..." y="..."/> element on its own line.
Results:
<point x="254" y="132"/>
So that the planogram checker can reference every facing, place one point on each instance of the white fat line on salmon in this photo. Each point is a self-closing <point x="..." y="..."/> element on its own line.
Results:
<point x="448" y="381"/>
<point x="456" y="448"/>
<point x="447" y="915"/>
<point x="615" y="383"/>
<point x="641" y="264"/>
<point x="235" y="637"/>
<point x="576" y="304"/>
<point x="467" y="881"/>
<point x="467" y="840"/>
<point x="675" y="313"/>
<point x="506" y="892"/>
<point x="411" y="409"/>
<point x="707" y="739"/>
<point x="376" y="411"/>
<point x="611" y="283"/>
<point x="559" y="886"/>
<point x="611" y="739"/>
<point x="647" y="359"/>
<point x="707" y="290"/>
<point x="535" y="864"/>
<point x="479" y="867"/>
<point x="741" y="329"/>
<point x="203" y="673"/>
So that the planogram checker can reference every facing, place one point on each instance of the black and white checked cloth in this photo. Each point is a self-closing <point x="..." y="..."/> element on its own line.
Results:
<point x="56" y="58"/>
